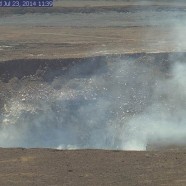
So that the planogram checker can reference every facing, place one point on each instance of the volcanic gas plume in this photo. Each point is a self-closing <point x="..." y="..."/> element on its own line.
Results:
<point x="125" y="104"/>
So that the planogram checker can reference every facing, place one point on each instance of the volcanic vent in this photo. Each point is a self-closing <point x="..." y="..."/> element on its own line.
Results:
<point x="111" y="102"/>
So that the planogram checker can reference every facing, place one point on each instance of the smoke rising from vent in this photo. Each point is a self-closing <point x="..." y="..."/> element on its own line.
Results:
<point x="126" y="104"/>
<point x="163" y="121"/>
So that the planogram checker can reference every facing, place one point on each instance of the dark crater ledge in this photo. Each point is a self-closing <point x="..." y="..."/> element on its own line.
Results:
<point x="48" y="69"/>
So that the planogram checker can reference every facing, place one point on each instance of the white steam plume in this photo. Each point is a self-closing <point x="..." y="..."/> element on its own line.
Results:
<point x="128" y="106"/>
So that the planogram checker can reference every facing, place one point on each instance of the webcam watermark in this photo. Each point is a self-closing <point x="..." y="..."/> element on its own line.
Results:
<point x="26" y="3"/>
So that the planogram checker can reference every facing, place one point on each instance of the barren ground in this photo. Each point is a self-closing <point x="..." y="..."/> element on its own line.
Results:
<point x="88" y="28"/>
<point x="91" y="167"/>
